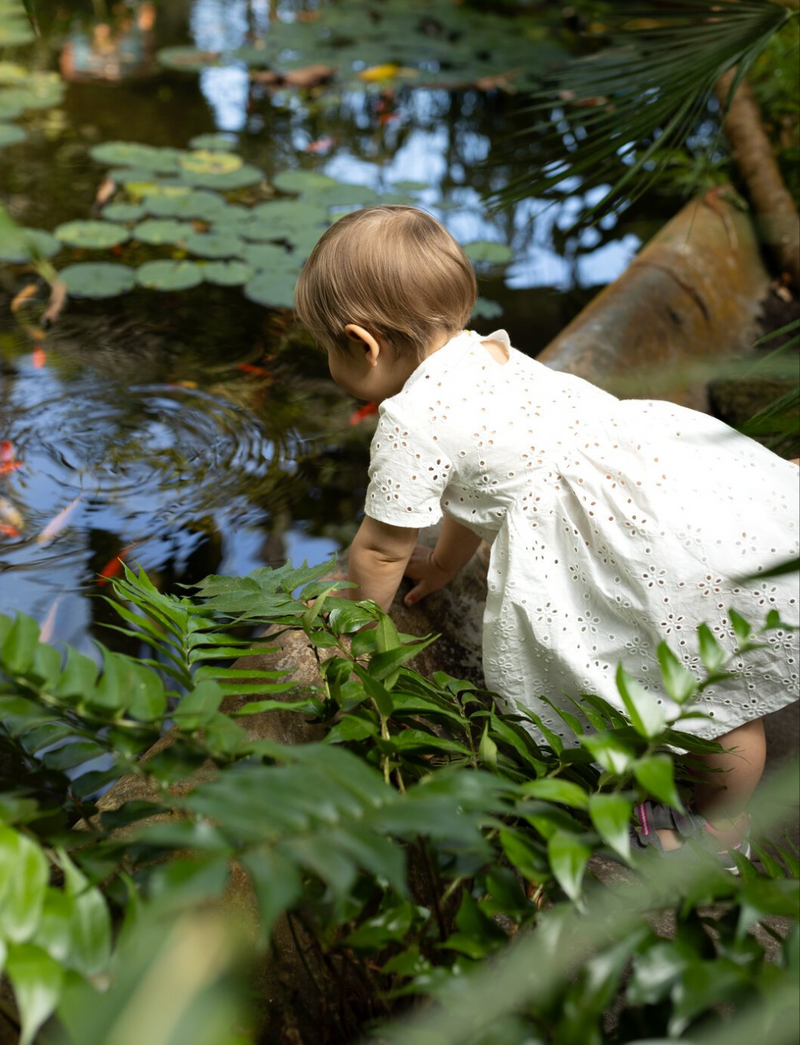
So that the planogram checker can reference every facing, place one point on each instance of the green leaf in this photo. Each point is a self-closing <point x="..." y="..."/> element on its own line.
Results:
<point x="611" y="816"/>
<point x="741" y="627"/>
<point x="711" y="653"/>
<point x="70" y="755"/>
<point x="419" y="740"/>
<point x="188" y="882"/>
<point x="55" y="929"/>
<point x="574" y="723"/>
<point x="198" y="706"/>
<point x="656" y="774"/>
<point x="553" y="739"/>
<point x="386" y="637"/>
<point x="309" y="706"/>
<point x="613" y="754"/>
<point x="647" y="717"/>
<point x="23" y="882"/>
<point x="148" y="701"/>
<point x="521" y="742"/>
<point x="384" y="663"/>
<point x="389" y="926"/>
<point x="568" y="858"/>
<point x="276" y="882"/>
<point x="553" y="790"/>
<point x="377" y="691"/>
<point x="90" y="925"/>
<point x="19" y="646"/>
<point x="37" y="981"/>
<point x="679" y="683"/>
<point x="478" y="935"/>
<point x="487" y="750"/>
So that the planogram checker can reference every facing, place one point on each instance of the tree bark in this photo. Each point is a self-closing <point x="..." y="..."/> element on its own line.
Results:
<point x="775" y="209"/>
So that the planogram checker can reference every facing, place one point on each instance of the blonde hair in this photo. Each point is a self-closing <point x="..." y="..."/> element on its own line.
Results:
<point x="396" y="271"/>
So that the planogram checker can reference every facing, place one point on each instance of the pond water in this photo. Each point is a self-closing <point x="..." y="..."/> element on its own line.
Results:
<point x="195" y="430"/>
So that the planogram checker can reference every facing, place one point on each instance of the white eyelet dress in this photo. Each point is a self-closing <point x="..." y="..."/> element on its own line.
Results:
<point x="614" y="524"/>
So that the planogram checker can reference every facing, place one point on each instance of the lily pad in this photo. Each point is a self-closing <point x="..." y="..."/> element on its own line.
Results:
<point x="215" y="142"/>
<point x="233" y="217"/>
<point x="10" y="134"/>
<point x="410" y="186"/>
<point x="275" y="290"/>
<point x="20" y="245"/>
<point x="345" y="195"/>
<point x="38" y="92"/>
<point x="242" y="178"/>
<point x="189" y="204"/>
<point x="303" y="181"/>
<point x="158" y="231"/>
<point x="396" y="197"/>
<point x="135" y="154"/>
<point x="481" y="250"/>
<point x="123" y="211"/>
<point x="98" y="279"/>
<point x="206" y="161"/>
<point x="227" y="273"/>
<point x="485" y="309"/>
<point x="169" y="275"/>
<point x="187" y="59"/>
<point x="95" y="235"/>
<point x="214" y="244"/>
<point x="133" y="178"/>
<point x="264" y="256"/>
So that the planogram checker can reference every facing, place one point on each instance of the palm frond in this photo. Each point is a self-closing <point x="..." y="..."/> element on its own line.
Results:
<point x="616" y="116"/>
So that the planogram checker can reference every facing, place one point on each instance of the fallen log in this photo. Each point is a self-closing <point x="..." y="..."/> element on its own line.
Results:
<point x="692" y="294"/>
<point x="776" y="212"/>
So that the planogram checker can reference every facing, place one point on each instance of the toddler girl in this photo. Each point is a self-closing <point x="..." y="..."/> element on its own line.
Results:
<point x="614" y="524"/>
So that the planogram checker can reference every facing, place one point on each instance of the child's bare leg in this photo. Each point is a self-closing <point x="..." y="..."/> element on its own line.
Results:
<point x="721" y="797"/>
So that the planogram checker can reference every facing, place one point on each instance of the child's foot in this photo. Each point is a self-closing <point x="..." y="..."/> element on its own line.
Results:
<point x="666" y="831"/>
<point x="728" y="834"/>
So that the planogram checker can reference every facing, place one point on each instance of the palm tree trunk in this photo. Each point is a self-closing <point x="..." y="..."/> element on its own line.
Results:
<point x="752" y="151"/>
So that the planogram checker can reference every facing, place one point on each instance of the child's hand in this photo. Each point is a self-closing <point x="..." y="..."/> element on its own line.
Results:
<point x="423" y="568"/>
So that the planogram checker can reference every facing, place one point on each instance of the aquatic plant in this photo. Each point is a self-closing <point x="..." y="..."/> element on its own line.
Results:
<point x="424" y="840"/>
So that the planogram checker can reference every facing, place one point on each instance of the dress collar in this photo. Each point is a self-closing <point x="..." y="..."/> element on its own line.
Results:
<point x="442" y="356"/>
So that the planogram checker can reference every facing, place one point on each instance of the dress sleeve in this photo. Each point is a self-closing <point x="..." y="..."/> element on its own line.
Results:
<point x="408" y="472"/>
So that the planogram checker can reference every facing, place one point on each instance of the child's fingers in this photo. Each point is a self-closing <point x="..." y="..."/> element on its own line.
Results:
<point x="419" y="591"/>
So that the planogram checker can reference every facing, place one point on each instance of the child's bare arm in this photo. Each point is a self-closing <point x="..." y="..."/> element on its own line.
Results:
<point x="377" y="560"/>
<point x="432" y="568"/>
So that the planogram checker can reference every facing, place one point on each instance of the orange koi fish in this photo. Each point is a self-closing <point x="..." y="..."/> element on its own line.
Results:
<point x="364" y="411"/>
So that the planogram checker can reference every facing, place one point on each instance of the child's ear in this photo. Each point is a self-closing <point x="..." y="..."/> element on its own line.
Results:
<point x="370" y="344"/>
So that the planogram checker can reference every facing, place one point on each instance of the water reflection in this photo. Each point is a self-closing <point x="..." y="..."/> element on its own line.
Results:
<point x="114" y="49"/>
<point x="182" y="458"/>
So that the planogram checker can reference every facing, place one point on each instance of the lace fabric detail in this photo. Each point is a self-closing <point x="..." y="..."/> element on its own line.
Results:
<point x="615" y="525"/>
